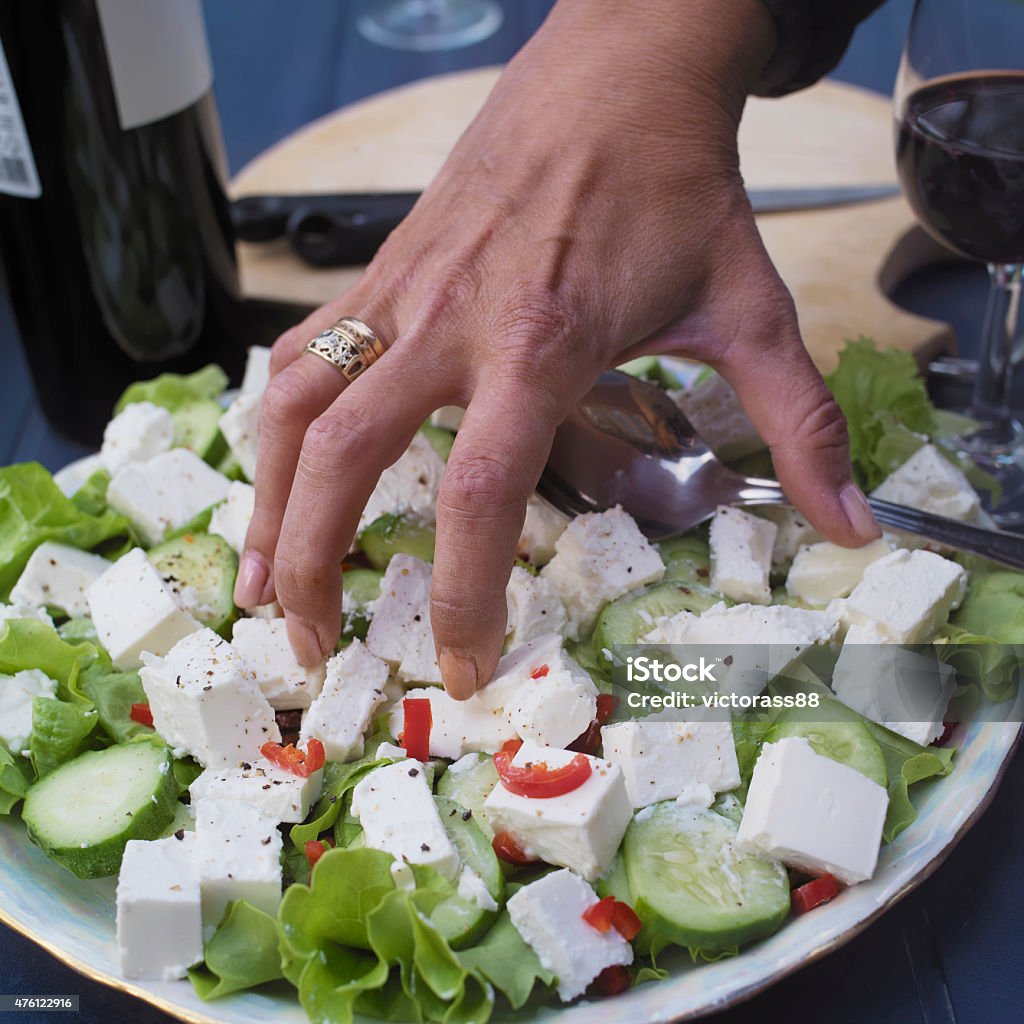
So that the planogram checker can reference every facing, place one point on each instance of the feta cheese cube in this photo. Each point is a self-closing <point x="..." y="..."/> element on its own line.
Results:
<point x="263" y="646"/>
<point x="907" y="594"/>
<point x="713" y="408"/>
<point x="660" y="760"/>
<point x="900" y="689"/>
<point x="813" y="813"/>
<point x="448" y="417"/>
<point x="822" y="572"/>
<point x="206" y="703"/>
<point x="932" y="483"/>
<point x="159" y="921"/>
<point x="599" y="556"/>
<point x="741" y="555"/>
<point x="534" y="609"/>
<point x="137" y="433"/>
<point x="59" y="575"/>
<point x="240" y="426"/>
<point x="281" y="795"/>
<point x="24" y="611"/>
<point x="238" y="854"/>
<point x="545" y="696"/>
<point x="16" y="694"/>
<point x="133" y="611"/>
<point x="400" y="631"/>
<point x="471" y="888"/>
<point x="73" y="476"/>
<point x="165" y="492"/>
<point x="548" y="914"/>
<point x="231" y="517"/>
<point x="543" y="525"/>
<point x="458" y="727"/>
<point x="409" y="487"/>
<point x="386" y="749"/>
<point x="581" y="829"/>
<point x="353" y="690"/>
<point x="793" y="533"/>
<point x="399" y="816"/>
<point x="257" y="370"/>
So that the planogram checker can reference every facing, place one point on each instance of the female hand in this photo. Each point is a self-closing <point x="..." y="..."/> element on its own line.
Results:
<point x="592" y="212"/>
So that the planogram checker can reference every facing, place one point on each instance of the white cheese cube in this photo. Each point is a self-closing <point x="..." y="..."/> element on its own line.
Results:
<point x="534" y="609"/>
<point x="396" y="808"/>
<point x="822" y="572"/>
<point x="353" y="690"/>
<point x="59" y="575"/>
<point x="24" y="611"/>
<point x="159" y="922"/>
<point x="137" y="433"/>
<point x="546" y="697"/>
<point x="713" y="408"/>
<point x="741" y="555"/>
<point x="279" y="794"/>
<point x="660" y="760"/>
<point x="543" y="525"/>
<point x="16" y="694"/>
<point x="793" y="533"/>
<point x="448" y="417"/>
<point x="263" y="645"/>
<point x="409" y="487"/>
<point x="165" y="492"/>
<point x="813" y="813"/>
<point x="472" y="889"/>
<point x="133" y="611"/>
<point x="400" y="631"/>
<point x="548" y="914"/>
<point x="386" y="749"/>
<point x="257" y="370"/>
<point x="457" y="727"/>
<point x="930" y="482"/>
<point x="240" y="426"/>
<point x="900" y="689"/>
<point x="73" y="476"/>
<point x="581" y="829"/>
<point x="231" y="517"/>
<point x="238" y="851"/>
<point x="599" y="556"/>
<point x="206" y="703"/>
<point x="696" y="794"/>
<point x="907" y="594"/>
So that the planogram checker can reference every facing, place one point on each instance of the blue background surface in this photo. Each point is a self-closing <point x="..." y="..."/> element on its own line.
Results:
<point x="953" y="950"/>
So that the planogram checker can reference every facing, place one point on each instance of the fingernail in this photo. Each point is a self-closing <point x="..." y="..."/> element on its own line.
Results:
<point x="858" y="512"/>
<point x="252" y="578"/>
<point x="458" y="672"/>
<point x="305" y="643"/>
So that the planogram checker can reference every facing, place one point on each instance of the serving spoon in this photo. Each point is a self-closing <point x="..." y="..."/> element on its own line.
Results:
<point x="627" y="443"/>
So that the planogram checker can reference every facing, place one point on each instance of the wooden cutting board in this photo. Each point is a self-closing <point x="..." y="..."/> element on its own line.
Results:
<point x="840" y="263"/>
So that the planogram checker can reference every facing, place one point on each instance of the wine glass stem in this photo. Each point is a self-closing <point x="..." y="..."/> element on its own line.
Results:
<point x="991" y="385"/>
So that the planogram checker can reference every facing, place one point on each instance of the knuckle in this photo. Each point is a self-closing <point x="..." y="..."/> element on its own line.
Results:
<point x="285" y="398"/>
<point x="283" y="351"/>
<point x="818" y="421"/>
<point x="295" y="578"/>
<point x="480" y="483"/>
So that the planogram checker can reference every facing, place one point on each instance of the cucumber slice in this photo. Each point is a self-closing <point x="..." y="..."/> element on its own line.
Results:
<point x="615" y="882"/>
<point x="459" y="920"/>
<point x="396" y="535"/>
<point x="469" y="782"/>
<point x="207" y="563"/>
<point x="361" y="586"/>
<point x="84" y="812"/>
<point x="694" y="886"/>
<point x="441" y="440"/>
<point x="846" y="740"/>
<point x="196" y="427"/>
<point x="687" y="559"/>
<point x="627" y="619"/>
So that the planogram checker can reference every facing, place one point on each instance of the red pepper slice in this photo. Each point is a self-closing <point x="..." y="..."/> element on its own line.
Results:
<point x="588" y="742"/>
<point x="142" y="714"/>
<point x="416" y="731"/>
<point x="611" y="981"/>
<point x="599" y="915"/>
<point x="294" y="760"/>
<point x="947" y="734"/>
<point x="541" y="672"/>
<point x="315" y="849"/>
<point x="508" y="850"/>
<point x="606" y="705"/>
<point x="536" y="779"/>
<point x="625" y="921"/>
<point x="814" y="894"/>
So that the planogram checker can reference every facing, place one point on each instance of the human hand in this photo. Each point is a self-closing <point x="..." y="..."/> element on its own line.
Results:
<point x="591" y="213"/>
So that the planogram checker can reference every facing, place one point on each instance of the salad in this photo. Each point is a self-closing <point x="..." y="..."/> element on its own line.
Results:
<point x="351" y="831"/>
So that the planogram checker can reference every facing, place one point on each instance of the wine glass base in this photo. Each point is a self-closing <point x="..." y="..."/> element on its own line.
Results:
<point x="998" y="450"/>
<point x="426" y="25"/>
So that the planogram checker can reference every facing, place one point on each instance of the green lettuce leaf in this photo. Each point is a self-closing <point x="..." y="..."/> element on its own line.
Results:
<point x="15" y="778"/>
<point x="242" y="953"/>
<point x="173" y="390"/>
<point x="994" y="606"/>
<point x="59" y="733"/>
<point x="28" y="643"/>
<point x="91" y="497"/>
<point x="113" y="693"/>
<point x="80" y="630"/>
<point x="33" y="510"/>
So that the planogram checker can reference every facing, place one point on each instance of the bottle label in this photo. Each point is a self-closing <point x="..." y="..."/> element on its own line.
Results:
<point x="18" y="175"/>
<point x="158" y="55"/>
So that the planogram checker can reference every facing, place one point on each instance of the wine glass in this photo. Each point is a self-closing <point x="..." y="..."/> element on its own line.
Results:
<point x="429" y="24"/>
<point x="959" y="106"/>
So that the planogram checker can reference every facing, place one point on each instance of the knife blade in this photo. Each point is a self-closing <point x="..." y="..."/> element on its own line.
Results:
<point x="346" y="229"/>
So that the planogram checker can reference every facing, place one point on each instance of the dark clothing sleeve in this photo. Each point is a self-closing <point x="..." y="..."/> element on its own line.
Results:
<point x="812" y="36"/>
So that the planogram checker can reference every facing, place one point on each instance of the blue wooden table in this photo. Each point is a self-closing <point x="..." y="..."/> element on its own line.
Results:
<point x="951" y="951"/>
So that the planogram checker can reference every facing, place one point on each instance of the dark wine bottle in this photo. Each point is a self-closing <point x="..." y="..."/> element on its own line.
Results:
<point x="115" y="230"/>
